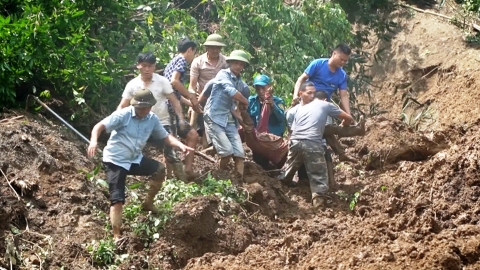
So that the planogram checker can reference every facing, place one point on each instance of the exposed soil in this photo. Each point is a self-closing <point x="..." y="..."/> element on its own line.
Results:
<point x="419" y="186"/>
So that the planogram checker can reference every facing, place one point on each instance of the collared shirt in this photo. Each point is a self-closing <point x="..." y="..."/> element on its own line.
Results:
<point x="220" y="102"/>
<point x="276" y="121"/>
<point x="179" y="64"/>
<point x="204" y="71"/>
<point x="129" y="136"/>
<point x="160" y="88"/>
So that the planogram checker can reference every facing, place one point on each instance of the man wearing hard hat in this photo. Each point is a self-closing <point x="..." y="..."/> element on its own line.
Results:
<point x="204" y="68"/>
<point x="221" y="124"/>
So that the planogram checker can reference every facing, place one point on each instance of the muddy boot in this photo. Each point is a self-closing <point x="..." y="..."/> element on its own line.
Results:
<point x="338" y="149"/>
<point x="116" y="220"/>
<point x="169" y="170"/>
<point x="331" y="178"/>
<point x="191" y="175"/>
<point x="155" y="185"/>
<point x="351" y="131"/>
<point x="179" y="172"/>
<point x="318" y="202"/>
<point x="239" y="166"/>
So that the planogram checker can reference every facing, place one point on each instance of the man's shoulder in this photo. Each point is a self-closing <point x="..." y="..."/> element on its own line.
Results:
<point x="160" y="79"/>
<point x="126" y="111"/>
<point x="177" y="60"/>
<point x="134" y="81"/>
<point x="199" y="59"/>
<point x="319" y="61"/>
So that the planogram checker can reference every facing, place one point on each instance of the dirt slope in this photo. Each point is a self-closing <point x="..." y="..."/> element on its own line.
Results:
<point x="417" y="191"/>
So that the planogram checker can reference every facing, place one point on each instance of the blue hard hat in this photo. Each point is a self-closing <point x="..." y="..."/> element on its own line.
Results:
<point x="261" y="80"/>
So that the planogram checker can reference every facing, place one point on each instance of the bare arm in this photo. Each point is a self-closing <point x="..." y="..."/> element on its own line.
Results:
<point x="193" y="85"/>
<point x="96" y="131"/>
<point x="303" y="78"/>
<point x="178" y="85"/>
<point x="185" y="101"/>
<point x="345" y="100"/>
<point x="176" y="105"/>
<point x="172" y="141"/>
<point x="347" y="118"/>
<point x="240" y="98"/>
<point x="125" y="102"/>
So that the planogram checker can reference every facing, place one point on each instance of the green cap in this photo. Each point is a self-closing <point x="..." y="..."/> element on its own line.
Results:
<point x="239" y="55"/>
<point x="142" y="99"/>
<point x="214" y="40"/>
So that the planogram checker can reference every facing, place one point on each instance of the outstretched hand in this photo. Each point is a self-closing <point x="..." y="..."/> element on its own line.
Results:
<point x="92" y="149"/>
<point x="185" y="149"/>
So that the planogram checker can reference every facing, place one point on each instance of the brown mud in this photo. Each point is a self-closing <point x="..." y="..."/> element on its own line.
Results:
<point x="417" y="186"/>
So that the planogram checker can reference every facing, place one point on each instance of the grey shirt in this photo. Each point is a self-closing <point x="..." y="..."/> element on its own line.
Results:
<point x="290" y="115"/>
<point x="310" y="120"/>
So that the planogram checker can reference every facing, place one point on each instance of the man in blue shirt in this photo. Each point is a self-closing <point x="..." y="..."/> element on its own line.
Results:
<point x="175" y="73"/>
<point x="220" y="123"/>
<point x="327" y="75"/>
<point x="130" y="129"/>
<point x="274" y="122"/>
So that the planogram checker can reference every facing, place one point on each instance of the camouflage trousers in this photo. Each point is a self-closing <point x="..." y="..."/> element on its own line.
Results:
<point x="312" y="155"/>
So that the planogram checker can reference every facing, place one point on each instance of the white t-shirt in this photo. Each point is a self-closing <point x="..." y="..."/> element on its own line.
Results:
<point x="160" y="88"/>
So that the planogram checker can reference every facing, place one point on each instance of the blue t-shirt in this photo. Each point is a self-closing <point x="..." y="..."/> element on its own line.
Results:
<point x="324" y="79"/>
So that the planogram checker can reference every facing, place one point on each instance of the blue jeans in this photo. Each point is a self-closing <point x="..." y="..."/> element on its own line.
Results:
<point x="226" y="140"/>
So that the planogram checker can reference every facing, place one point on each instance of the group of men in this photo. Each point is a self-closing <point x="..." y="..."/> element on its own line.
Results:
<point x="151" y="111"/>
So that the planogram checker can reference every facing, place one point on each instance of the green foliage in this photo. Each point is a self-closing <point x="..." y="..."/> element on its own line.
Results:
<point x="282" y="39"/>
<point x="82" y="51"/>
<point x="472" y="5"/>
<point x="102" y="252"/>
<point x="354" y="200"/>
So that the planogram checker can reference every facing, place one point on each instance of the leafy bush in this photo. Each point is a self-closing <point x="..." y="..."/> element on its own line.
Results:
<point x="83" y="52"/>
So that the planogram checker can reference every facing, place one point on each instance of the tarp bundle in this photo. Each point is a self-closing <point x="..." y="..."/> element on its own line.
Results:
<point x="272" y="147"/>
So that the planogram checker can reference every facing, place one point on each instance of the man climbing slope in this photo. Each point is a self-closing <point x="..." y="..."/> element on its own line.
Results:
<point x="162" y="91"/>
<point x="175" y="73"/>
<point x="130" y="129"/>
<point x="221" y="124"/>
<point x="305" y="146"/>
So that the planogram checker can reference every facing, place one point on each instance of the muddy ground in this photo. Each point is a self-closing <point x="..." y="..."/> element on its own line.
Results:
<point x="418" y="188"/>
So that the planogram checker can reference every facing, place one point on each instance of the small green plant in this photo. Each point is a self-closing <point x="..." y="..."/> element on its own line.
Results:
<point x="102" y="252"/>
<point x="354" y="200"/>
<point x="383" y="188"/>
<point x="92" y="176"/>
<point x="172" y="192"/>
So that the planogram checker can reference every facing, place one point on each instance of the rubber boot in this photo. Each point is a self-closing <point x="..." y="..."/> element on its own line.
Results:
<point x="116" y="220"/>
<point x="239" y="166"/>
<point x="179" y="172"/>
<point x="170" y="170"/>
<point x="331" y="180"/>
<point x="224" y="163"/>
<point x="152" y="191"/>
<point x="155" y="185"/>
